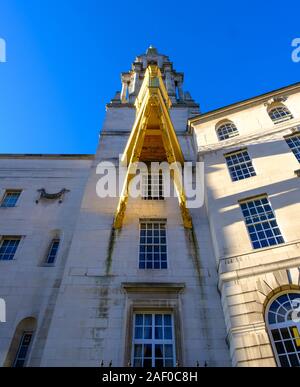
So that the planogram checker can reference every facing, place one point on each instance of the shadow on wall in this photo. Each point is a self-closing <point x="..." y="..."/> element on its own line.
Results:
<point x="281" y="193"/>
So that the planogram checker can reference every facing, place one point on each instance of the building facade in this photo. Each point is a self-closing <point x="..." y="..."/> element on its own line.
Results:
<point x="150" y="280"/>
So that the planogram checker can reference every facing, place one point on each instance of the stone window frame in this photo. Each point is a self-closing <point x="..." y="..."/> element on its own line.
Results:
<point x="153" y="298"/>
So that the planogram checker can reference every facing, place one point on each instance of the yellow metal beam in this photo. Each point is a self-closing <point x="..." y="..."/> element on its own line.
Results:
<point x="153" y="95"/>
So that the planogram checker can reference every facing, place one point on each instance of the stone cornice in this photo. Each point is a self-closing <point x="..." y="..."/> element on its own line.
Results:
<point x="240" y="141"/>
<point x="229" y="109"/>
<point x="153" y="287"/>
<point x="257" y="270"/>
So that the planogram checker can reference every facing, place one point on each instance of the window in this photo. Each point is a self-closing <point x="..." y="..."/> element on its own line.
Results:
<point x="226" y="131"/>
<point x="10" y="198"/>
<point x="153" y="340"/>
<point x="153" y="245"/>
<point x="239" y="165"/>
<point x="52" y="253"/>
<point x="261" y="223"/>
<point x="280" y="114"/>
<point x="294" y="143"/>
<point x="23" y="349"/>
<point x="152" y="186"/>
<point x="8" y="248"/>
<point x="284" y="329"/>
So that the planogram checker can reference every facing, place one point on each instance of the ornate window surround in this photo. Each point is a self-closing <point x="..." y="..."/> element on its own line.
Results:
<point x="152" y="297"/>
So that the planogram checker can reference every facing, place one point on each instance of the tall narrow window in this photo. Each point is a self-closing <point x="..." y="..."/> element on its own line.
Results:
<point x="10" y="199"/>
<point x="280" y="114"/>
<point x="153" y="245"/>
<point x="153" y="340"/>
<point x="227" y="130"/>
<point x="240" y="165"/>
<point x="52" y="253"/>
<point x="152" y="186"/>
<point x="294" y="143"/>
<point x="23" y="349"/>
<point x="261" y="223"/>
<point x="8" y="248"/>
<point x="284" y="329"/>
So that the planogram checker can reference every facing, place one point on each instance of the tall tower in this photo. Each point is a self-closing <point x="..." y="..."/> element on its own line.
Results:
<point x="140" y="284"/>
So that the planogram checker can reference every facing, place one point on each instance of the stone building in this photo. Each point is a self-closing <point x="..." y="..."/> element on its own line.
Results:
<point x="151" y="280"/>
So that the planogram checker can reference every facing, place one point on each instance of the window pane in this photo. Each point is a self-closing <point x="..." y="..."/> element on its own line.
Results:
<point x="138" y="332"/>
<point x="168" y="333"/>
<point x="158" y="333"/>
<point x="159" y="350"/>
<point x="138" y="350"/>
<point x="147" y="350"/>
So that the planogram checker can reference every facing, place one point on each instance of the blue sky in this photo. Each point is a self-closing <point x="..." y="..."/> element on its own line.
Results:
<point x="64" y="59"/>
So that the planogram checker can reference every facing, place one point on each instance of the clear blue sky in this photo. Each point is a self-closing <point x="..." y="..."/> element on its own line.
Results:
<point x="64" y="59"/>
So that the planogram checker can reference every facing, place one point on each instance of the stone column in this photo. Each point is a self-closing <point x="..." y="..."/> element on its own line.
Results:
<point x="180" y="91"/>
<point x="170" y="84"/>
<point x="124" y="91"/>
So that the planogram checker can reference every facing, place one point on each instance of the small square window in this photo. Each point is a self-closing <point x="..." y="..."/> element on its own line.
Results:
<point x="10" y="199"/>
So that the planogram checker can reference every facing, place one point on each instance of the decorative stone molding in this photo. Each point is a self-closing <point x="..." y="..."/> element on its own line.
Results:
<point x="153" y="287"/>
<point x="54" y="196"/>
<point x="158" y="296"/>
<point x="279" y="99"/>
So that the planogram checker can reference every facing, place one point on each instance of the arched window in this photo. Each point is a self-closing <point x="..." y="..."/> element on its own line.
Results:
<point x="226" y="130"/>
<point x="283" y="322"/>
<point x="280" y="113"/>
<point x="21" y="343"/>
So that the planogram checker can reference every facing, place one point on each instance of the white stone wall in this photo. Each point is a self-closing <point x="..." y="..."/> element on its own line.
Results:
<point x="92" y="309"/>
<point x="29" y="288"/>
<point x="82" y="307"/>
<point x="246" y="276"/>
